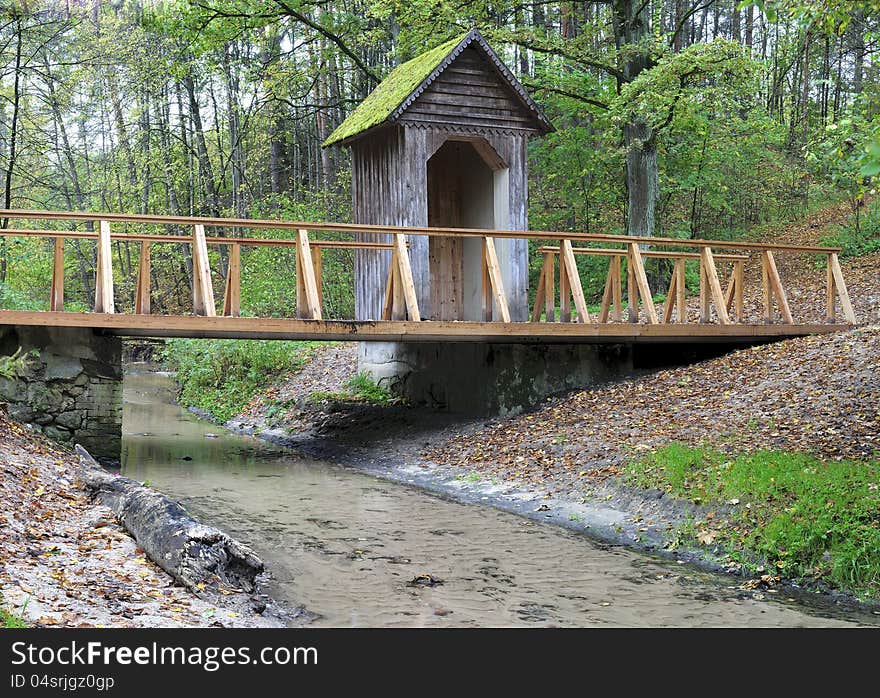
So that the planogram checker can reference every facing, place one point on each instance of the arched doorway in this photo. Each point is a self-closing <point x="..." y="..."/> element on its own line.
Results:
<point x="467" y="188"/>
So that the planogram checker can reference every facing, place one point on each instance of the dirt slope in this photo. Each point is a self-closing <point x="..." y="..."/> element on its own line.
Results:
<point x="815" y="394"/>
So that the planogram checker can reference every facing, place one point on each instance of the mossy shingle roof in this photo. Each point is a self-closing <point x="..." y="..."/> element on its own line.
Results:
<point x="395" y="92"/>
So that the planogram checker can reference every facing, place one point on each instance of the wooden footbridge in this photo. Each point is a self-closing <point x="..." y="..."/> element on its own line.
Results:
<point x="560" y="312"/>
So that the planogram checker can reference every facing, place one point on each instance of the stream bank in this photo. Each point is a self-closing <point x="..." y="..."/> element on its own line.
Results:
<point x="66" y="561"/>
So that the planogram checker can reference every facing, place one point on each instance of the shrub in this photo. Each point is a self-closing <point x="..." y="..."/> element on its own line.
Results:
<point x="222" y="376"/>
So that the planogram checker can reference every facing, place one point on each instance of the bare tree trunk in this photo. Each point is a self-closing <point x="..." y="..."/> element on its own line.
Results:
<point x="13" y="149"/>
<point x="677" y="39"/>
<point x="631" y="25"/>
<point x="269" y="57"/>
<point x="736" y="22"/>
<point x="857" y="38"/>
<point x="206" y="170"/>
<point x="750" y="27"/>
<point x="642" y="178"/>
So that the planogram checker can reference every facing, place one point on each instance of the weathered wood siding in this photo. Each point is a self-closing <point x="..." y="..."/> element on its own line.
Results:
<point x="469" y="100"/>
<point x="470" y="93"/>
<point x="388" y="186"/>
<point x="514" y="254"/>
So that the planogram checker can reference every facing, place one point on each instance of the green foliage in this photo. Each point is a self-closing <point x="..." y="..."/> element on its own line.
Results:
<point x="268" y="286"/>
<point x="831" y="16"/>
<point x="9" y="620"/>
<point x="366" y="388"/>
<point x="16" y="364"/>
<point x="709" y="76"/>
<point x="222" y="376"/>
<point x="860" y="235"/>
<point x="359" y="388"/>
<point x="807" y="517"/>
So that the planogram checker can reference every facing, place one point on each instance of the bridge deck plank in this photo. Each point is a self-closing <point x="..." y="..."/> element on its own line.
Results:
<point x="408" y="331"/>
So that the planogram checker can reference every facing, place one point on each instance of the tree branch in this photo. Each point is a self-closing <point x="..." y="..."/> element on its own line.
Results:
<point x="565" y="93"/>
<point x="332" y="37"/>
<point x="611" y="70"/>
<point x="289" y="11"/>
<point x="687" y="15"/>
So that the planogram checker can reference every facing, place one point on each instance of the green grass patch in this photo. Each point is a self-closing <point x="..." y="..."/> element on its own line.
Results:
<point x="806" y="517"/>
<point x="222" y="376"/>
<point x="359" y="388"/>
<point x="368" y="390"/>
<point x="9" y="620"/>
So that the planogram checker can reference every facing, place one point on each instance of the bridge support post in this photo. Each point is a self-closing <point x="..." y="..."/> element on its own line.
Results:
<point x="70" y="389"/>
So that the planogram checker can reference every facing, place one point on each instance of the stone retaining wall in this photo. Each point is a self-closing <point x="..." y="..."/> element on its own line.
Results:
<point x="71" y="390"/>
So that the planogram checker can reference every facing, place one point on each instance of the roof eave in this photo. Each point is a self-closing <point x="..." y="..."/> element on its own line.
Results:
<point x="348" y="140"/>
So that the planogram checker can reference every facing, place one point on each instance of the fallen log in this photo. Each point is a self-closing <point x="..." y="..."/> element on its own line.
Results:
<point x="202" y="558"/>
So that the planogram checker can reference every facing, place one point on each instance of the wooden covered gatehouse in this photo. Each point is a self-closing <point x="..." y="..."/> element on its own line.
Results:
<point x="442" y="142"/>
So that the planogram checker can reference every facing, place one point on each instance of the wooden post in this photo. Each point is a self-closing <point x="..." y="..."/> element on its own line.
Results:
<point x="730" y="291"/>
<point x="671" y="294"/>
<point x="104" y="272"/>
<point x="232" y="297"/>
<point x="775" y="284"/>
<point x="734" y="294"/>
<point x="632" y="291"/>
<point x="494" y="269"/>
<point x="398" y="299"/>
<point x="608" y="293"/>
<point x="485" y="284"/>
<point x="549" y="287"/>
<point x="680" y="289"/>
<point x="635" y="258"/>
<point x="616" y="290"/>
<point x="705" y="309"/>
<point x="564" y="294"/>
<point x="766" y="294"/>
<point x="56" y="298"/>
<point x="318" y="265"/>
<point x="611" y="296"/>
<point x="203" y="286"/>
<point x="739" y="278"/>
<point x="539" y="293"/>
<point x="574" y="280"/>
<point x="389" y="289"/>
<point x="308" y="301"/>
<point x="840" y="285"/>
<point x="714" y="285"/>
<point x="142" y="293"/>
<point x="406" y="277"/>
<point x="830" y="292"/>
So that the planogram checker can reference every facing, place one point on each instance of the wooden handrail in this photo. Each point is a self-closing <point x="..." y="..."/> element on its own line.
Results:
<point x="409" y="230"/>
<point x="401" y="296"/>
<point x="162" y="238"/>
<point x="663" y="254"/>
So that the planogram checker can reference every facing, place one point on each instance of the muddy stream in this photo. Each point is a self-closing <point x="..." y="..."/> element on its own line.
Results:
<point x="346" y="545"/>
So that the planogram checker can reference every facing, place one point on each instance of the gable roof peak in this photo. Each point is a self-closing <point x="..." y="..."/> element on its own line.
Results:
<point x="403" y="86"/>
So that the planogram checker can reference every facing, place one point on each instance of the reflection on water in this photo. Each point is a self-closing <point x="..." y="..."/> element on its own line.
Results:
<point x="346" y="545"/>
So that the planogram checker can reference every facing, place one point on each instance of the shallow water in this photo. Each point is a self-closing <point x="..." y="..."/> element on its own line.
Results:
<point x="345" y="545"/>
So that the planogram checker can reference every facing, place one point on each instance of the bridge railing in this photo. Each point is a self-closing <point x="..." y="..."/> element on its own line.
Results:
<point x="400" y="296"/>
